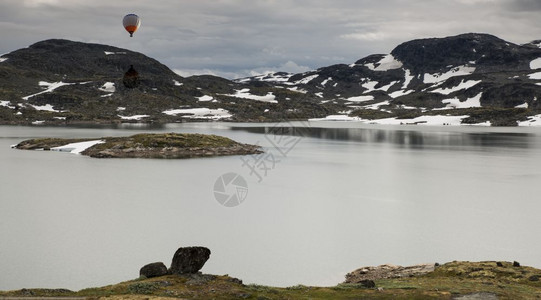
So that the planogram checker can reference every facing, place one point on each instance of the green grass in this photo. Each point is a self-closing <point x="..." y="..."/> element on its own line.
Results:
<point x="447" y="281"/>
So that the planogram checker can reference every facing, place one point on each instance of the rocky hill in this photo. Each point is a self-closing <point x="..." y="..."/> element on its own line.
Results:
<point x="478" y="77"/>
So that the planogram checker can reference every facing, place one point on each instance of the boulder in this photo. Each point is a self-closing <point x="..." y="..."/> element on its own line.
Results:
<point x="189" y="260"/>
<point x="153" y="270"/>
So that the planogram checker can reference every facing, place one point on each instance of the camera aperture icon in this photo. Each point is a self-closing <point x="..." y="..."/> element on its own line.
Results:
<point x="230" y="189"/>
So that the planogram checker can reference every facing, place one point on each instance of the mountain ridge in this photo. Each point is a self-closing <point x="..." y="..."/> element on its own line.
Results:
<point x="60" y="81"/>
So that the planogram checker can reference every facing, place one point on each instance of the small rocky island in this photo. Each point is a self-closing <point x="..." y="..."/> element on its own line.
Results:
<point x="166" y="145"/>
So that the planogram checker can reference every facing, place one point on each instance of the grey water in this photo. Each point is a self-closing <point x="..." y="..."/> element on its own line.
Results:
<point x="324" y="199"/>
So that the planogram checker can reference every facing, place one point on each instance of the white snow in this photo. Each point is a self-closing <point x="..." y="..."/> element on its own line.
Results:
<point x="336" y="118"/>
<point x="307" y="79"/>
<point x="532" y="121"/>
<point x="38" y="122"/>
<point x="108" y="87"/>
<point x="6" y="104"/>
<point x="458" y="71"/>
<point x="523" y="105"/>
<point x="177" y="83"/>
<point x="200" y="113"/>
<point x="370" y="86"/>
<point x="112" y="53"/>
<point x="320" y="94"/>
<point x="360" y="98"/>
<point x="77" y="148"/>
<point x="535" y="75"/>
<point x="3" y="59"/>
<point x="535" y="64"/>
<point x="120" y="108"/>
<point x="243" y="93"/>
<point x="376" y="105"/>
<point x="298" y="90"/>
<point x="388" y="62"/>
<point x="461" y="86"/>
<point x="50" y="87"/>
<point x="470" y="102"/>
<point x="46" y="107"/>
<point x="423" y="120"/>
<point x="135" y="117"/>
<point x="205" y="98"/>
<point x="269" y="77"/>
<point x="407" y="78"/>
<point x="386" y="87"/>
<point x="400" y="93"/>
<point x="324" y="82"/>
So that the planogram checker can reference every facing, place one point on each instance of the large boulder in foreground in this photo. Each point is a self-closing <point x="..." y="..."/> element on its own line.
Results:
<point x="153" y="270"/>
<point x="189" y="260"/>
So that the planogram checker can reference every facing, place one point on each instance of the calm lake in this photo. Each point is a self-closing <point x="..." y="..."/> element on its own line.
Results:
<point x="324" y="200"/>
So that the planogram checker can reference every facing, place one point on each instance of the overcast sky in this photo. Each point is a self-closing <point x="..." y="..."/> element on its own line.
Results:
<point x="237" y="38"/>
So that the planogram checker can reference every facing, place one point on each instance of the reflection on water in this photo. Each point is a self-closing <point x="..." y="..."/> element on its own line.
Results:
<point x="413" y="139"/>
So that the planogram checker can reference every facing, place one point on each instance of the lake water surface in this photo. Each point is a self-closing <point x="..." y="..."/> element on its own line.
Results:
<point x="325" y="199"/>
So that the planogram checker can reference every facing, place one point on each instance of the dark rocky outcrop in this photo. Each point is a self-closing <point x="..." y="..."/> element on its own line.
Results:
<point x="367" y="274"/>
<point x="189" y="260"/>
<point x="153" y="270"/>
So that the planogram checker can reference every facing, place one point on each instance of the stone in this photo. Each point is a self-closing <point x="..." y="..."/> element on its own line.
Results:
<point x="516" y="264"/>
<point x="387" y="271"/>
<point x="153" y="270"/>
<point x="534" y="278"/>
<point x="367" y="283"/>
<point x="189" y="260"/>
<point x="499" y="264"/>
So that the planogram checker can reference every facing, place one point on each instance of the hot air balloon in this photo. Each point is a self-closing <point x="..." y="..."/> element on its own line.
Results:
<point x="131" y="22"/>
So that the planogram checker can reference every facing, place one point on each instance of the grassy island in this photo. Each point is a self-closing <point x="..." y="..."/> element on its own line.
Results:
<point x="166" y="145"/>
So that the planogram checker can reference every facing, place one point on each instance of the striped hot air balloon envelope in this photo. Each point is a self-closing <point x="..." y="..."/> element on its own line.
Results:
<point x="131" y="22"/>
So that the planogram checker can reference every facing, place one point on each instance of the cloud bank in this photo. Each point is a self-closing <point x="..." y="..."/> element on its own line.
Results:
<point x="238" y="38"/>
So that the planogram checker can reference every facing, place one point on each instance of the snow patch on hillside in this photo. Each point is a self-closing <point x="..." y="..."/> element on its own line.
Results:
<point x="3" y="59"/>
<point x="135" y="117"/>
<point x="407" y="78"/>
<point x="200" y="113"/>
<point x="49" y="87"/>
<point x="470" y="102"/>
<point x="244" y="93"/>
<point x="458" y="71"/>
<point x="461" y="86"/>
<point x="532" y="121"/>
<point x="388" y="62"/>
<point x="77" y="148"/>
<point x="6" y="104"/>
<point x="46" y="107"/>
<point x="535" y="75"/>
<point x="400" y="93"/>
<point x="108" y="87"/>
<point x="205" y="98"/>
<point x="360" y="98"/>
<point x="113" y="53"/>
<point x="535" y="64"/>
<point x="305" y="80"/>
<point x="423" y="120"/>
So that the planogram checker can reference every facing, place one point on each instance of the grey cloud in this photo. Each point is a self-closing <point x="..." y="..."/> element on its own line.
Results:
<point x="238" y="37"/>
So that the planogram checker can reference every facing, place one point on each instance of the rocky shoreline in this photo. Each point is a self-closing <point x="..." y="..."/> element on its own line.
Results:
<point x="168" y="146"/>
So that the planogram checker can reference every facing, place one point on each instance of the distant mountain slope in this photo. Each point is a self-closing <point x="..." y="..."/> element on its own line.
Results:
<point x="432" y="76"/>
<point x="474" y="75"/>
